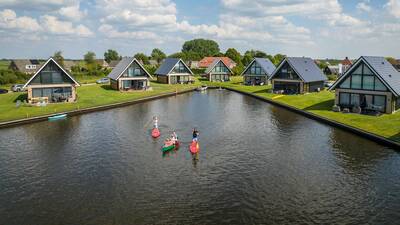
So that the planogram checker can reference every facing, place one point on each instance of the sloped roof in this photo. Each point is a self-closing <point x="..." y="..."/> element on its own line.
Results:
<point x="20" y="64"/>
<point x="122" y="66"/>
<point x="169" y="64"/>
<point x="44" y="65"/>
<point x="382" y="69"/>
<point x="213" y="64"/>
<point x="113" y="63"/>
<point x="346" y="61"/>
<point x="264" y="63"/>
<point x="304" y="67"/>
<point x="206" y="61"/>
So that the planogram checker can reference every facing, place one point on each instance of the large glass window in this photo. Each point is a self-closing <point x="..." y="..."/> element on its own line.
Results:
<point x="379" y="86"/>
<point x="344" y="99"/>
<point x="368" y="82"/>
<point x="51" y="74"/>
<point x="355" y="99"/>
<point x="286" y="72"/>
<point x="379" y="101"/>
<point x="356" y="81"/>
<point x="180" y="68"/>
<point x="254" y="69"/>
<point x="363" y="78"/>
<point x="221" y="68"/>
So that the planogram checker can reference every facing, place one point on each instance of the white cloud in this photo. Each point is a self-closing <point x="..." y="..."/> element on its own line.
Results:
<point x="363" y="7"/>
<point x="393" y="7"/>
<point x="37" y="4"/>
<point x="72" y="12"/>
<point x="111" y="32"/>
<point x="58" y="27"/>
<point x="9" y="20"/>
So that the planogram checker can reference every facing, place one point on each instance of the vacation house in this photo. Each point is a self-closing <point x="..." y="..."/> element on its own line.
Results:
<point x="207" y="61"/>
<point x="218" y="71"/>
<point x="174" y="71"/>
<point x="371" y="84"/>
<point x="129" y="74"/>
<point x="258" y="72"/>
<point x="27" y="66"/>
<point x="51" y="83"/>
<point x="297" y="75"/>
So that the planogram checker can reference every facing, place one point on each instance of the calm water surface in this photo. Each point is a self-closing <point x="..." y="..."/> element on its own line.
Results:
<point x="258" y="164"/>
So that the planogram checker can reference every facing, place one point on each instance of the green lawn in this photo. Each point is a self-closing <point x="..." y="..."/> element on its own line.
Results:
<point x="4" y="64"/>
<point x="387" y="125"/>
<point x="88" y="96"/>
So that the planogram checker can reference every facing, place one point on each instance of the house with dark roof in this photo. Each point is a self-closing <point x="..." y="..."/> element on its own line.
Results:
<point x="297" y="75"/>
<point x="258" y="72"/>
<point x="174" y="71"/>
<point x="371" y="84"/>
<point x="51" y="83"/>
<point x="207" y="61"/>
<point x="129" y="74"/>
<point x="27" y="66"/>
<point x="331" y="70"/>
<point x="218" y="71"/>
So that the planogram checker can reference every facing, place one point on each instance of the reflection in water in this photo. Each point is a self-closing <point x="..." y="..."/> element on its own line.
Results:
<point x="258" y="164"/>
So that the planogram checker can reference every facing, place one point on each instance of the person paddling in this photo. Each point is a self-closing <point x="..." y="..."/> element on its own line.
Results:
<point x="155" y="122"/>
<point x="195" y="134"/>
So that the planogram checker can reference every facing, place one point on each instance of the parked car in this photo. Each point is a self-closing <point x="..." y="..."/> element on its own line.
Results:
<point x="3" y="91"/>
<point x="104" y="80"/>
<point x="17" y="88"/>
<point x="328" y="84"/>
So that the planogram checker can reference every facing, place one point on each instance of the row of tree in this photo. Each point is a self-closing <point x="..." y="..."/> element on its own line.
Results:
<point x="193" y="50"/>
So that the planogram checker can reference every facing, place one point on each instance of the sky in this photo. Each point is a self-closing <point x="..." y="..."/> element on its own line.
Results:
<point x="313" y="28"/>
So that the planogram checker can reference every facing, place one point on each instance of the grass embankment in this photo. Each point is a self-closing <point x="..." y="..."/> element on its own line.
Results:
<point x="88" y="96"/>
<point x="387" y="125"/>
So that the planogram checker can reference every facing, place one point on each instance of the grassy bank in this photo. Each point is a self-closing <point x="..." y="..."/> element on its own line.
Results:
<point x="88" y="96"/>
<point x="387" y="125"/>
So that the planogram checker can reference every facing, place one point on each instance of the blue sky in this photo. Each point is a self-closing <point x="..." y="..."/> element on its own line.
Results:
<point x="315" y="28"/>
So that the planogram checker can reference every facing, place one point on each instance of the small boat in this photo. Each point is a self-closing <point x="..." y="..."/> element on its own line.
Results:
<point x="168" y="146"/>
<point x="57" y="117"/>
<point x="155" y="133"/>
<point x="194" y="147"/>
<point x="202" y="88"/>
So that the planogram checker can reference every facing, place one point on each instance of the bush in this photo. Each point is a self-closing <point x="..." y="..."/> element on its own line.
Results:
<point x="332" y="77"/>
<point x="199" y="71"/>
<point x="11" y="77"/>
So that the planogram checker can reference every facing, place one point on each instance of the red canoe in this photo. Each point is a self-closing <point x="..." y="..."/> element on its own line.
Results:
<point x="155" y="133"/>
<point x="194" y="147"/>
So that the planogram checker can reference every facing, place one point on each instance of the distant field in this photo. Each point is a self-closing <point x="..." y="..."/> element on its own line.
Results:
<point x="4" y="64"/>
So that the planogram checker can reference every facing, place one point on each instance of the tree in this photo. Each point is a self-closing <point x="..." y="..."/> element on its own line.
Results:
<point x="142" y="57"/>
<point x="59" y="58"/>
<point x="234" y="55"/>
<point x="110" y="55"/>
<point x="238" y="69"/>
<point x="392" y="60"/>
<point x="202" y="47"/>
<point x="158" y="55"/>
<point x="89" y="57"/>
<point x="247" y="58"/>
<point x="278" y="58"/>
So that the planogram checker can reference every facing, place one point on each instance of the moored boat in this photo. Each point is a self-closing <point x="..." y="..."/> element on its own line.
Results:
<point x="57" y="117"/>
<point x="202" y="88"/>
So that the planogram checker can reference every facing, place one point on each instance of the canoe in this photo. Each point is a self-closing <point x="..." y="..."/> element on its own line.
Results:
<point x="194" y="147"/>
<point x="170" y="147"/>
<point x="155" y="133"/>
<point x="202" y="88"/>
<point x="57" y="117"/>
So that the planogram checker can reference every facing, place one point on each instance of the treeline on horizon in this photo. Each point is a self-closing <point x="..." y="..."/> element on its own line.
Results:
<point x="192" y="50"/>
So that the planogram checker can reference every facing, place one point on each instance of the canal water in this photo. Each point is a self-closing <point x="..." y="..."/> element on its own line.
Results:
<point x="258" y="164"/>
